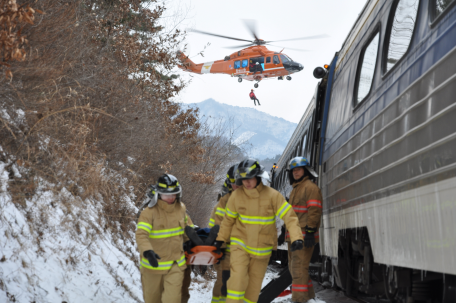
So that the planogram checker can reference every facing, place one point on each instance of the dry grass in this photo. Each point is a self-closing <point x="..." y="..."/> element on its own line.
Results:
<point x="73" y="116"/>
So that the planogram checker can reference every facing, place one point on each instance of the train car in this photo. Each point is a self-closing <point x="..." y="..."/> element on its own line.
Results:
<point x="381" y="132"/>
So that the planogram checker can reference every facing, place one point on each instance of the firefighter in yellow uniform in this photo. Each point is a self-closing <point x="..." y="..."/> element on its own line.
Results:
<point x="249" y="225"/>
<point x="305" y="198"/>
<point x="188" y="273"/>
<point x="218" y="213"/>
<point x="160" y="237"/>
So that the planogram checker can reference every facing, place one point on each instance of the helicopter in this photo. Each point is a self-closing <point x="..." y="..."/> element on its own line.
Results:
<point x="255" y="62"/>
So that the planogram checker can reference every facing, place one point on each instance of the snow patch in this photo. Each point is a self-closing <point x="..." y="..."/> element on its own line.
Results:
<point x="243" y="138"/>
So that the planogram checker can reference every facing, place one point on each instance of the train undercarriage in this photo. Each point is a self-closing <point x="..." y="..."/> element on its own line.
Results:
<point x="355" y="272"/>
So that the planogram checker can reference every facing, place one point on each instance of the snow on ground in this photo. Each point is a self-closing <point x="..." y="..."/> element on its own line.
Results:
<point x="201" y="289"/>
<point x="53" y="249"/>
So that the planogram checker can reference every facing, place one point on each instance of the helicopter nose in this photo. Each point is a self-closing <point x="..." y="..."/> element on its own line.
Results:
<point x="293" y="66"/>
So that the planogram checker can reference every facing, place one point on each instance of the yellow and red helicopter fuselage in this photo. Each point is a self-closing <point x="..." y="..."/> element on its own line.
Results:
<point x="255" y="63"/>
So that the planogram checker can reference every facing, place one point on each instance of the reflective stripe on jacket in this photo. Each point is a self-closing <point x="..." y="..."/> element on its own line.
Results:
<point x="250" y="217"/>
<point x="218" y="213"/>
<point x="306" y="200"/>
<point x="161" y="229"/>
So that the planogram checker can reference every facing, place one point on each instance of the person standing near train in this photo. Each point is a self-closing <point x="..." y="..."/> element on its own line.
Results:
<point x="306" y="200"/>
<point x="219" y="291"/>
<point x="249" y="225"/>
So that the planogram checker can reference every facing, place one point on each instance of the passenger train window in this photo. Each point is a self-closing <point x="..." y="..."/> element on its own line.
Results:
<point x="439" y="6"/>
<point x="276" y="59"/>
<point x="400" y="31"/>
<point x="366" y="70"/>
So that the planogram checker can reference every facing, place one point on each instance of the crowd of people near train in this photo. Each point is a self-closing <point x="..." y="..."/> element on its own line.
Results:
<point x="244" y="234"/>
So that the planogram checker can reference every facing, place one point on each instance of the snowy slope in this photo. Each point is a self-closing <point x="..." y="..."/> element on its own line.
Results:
<point x="267" y="134"/>
<point x="53" y="249"/>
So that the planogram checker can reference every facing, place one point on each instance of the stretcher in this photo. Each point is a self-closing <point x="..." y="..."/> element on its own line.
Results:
<point x="203" y="255"/>
<point x="202" y="252"/>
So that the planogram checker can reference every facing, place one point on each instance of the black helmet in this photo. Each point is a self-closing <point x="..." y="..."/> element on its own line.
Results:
<point x="226" y="187"/>
<point x="168" y="185"/>
<point x="247" y="169"/>
<point x="230" y="175"/>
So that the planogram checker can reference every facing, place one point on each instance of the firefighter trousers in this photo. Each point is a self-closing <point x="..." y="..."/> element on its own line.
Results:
<point x="186" y="284"/>
<point x="164" y="288"/>
<point x="298" y="264"/>
<point x="247" y="273"/>
<point x="224" y="266"/>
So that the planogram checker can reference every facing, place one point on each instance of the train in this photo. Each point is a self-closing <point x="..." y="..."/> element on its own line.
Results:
<point x="380" y="130"/>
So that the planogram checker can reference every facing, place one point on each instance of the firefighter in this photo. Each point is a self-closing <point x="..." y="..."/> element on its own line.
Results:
<point x="305" y="198"/>
<point x="218" y="213"/>
<point x="249" y="226"/>
<point x="188" y="270"/>
<point x="160" y="237"/>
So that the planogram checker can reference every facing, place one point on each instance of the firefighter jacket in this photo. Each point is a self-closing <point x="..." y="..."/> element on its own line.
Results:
<point x="161" y="229"/>
<point x="305" y="198"/>
<point x="218" y="214"/>
<point x="250" y="220"/>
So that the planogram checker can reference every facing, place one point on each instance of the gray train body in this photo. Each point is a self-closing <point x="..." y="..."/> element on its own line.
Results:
<point x="381" y="131"/>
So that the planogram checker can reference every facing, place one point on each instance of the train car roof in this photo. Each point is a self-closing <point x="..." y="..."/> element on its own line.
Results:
<point x="353" y="34"/>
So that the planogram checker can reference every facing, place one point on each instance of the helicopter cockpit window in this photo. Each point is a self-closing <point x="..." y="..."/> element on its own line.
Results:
<point x="268" y="59"/>
<point x="276" y="59"/>
<point x="285" y="59"/>
<point x="245" y="63"/>
<point x="237" y="64"/>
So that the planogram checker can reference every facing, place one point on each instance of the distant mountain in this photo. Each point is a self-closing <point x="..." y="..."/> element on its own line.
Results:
<point x="267" y="134"/>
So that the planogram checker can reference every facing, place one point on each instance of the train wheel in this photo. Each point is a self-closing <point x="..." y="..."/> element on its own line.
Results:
<point x="256" y="85"/>
<point x="239" y="80"/>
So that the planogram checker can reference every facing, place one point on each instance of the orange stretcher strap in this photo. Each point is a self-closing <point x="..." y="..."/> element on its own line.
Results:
<point x="203" y="255"/>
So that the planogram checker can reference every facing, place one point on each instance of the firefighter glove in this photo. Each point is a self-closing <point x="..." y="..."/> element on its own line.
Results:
<point x="218" y="244"/>
<point x="152" y="257"/>
<point x="296" y="245"/>
<point x="188" y="247"/>
<point x="309" y="239"/>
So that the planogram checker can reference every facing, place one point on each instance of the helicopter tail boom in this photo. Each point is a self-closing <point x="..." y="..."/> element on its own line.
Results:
<point x="187" y="64"/>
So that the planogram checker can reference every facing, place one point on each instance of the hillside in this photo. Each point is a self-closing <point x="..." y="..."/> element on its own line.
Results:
<point x="267" y="135"/>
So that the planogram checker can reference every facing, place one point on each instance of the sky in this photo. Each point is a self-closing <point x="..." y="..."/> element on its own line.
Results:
<point x="275" y="20"/>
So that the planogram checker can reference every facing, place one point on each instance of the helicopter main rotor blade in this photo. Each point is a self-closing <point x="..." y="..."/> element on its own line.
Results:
<point x="239" y="46"/>
<point x="216" y="35"/>
<point x="251" y="26"/>
<point x="302" y="38"/>
<point x="295" y="49"/>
